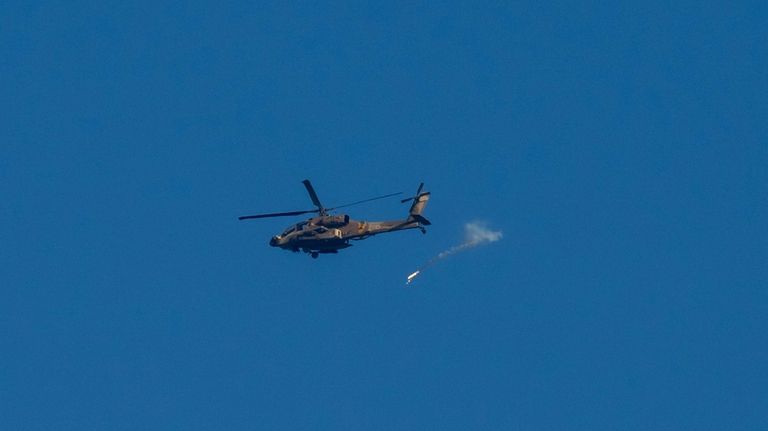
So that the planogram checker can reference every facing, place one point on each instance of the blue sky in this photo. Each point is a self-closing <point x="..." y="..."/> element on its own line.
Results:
<point x="620" y="148"/>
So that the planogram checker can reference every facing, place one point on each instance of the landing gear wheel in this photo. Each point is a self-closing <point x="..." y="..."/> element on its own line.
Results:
<point x="424" y="231"/>
<point x="314" y="255"/>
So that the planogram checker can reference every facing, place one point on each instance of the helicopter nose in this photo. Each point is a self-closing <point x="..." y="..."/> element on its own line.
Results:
<point x="273" y="241"/>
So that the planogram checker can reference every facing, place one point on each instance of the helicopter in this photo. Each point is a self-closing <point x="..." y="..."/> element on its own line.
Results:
<point x="326" y="233"/>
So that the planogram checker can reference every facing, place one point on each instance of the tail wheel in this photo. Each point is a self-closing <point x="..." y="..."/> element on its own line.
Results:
<point x="314" y="255"/>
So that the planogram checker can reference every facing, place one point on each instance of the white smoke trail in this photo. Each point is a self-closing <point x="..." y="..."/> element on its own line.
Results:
<point x="475" y="234"/>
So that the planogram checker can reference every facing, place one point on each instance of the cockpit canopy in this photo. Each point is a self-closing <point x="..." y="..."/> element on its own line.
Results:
<point x="293" y="228"/>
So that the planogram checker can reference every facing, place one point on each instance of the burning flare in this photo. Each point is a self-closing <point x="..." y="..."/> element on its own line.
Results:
<point x="412" y="276"/>
<point x="475" y="234"/>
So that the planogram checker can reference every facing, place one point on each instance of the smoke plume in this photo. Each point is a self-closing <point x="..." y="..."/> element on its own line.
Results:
<point x="475" y="234"/>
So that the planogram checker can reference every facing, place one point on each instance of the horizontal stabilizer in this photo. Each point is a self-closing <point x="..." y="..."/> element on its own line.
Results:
<point x="421" y="219"/>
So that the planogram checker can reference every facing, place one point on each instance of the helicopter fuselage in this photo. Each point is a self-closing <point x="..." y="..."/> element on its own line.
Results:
<point x="330" y="233"/>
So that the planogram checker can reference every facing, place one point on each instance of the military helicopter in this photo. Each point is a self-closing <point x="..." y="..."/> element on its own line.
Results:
<point x="327" y="233"/>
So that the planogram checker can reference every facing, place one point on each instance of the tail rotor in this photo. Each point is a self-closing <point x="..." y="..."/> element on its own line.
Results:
<point x="419" y="203"/>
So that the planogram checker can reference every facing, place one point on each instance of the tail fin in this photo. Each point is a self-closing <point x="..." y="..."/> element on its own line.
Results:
<point x="419" y="203"/>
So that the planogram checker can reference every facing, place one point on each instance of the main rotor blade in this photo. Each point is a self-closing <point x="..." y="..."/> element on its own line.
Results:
<point x="366" y="200"/>
<point x="291" y="213"/>
<point x="312" y="194"/>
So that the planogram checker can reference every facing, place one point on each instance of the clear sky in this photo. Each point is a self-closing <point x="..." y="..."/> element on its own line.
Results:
<point x="622" y="149"/>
